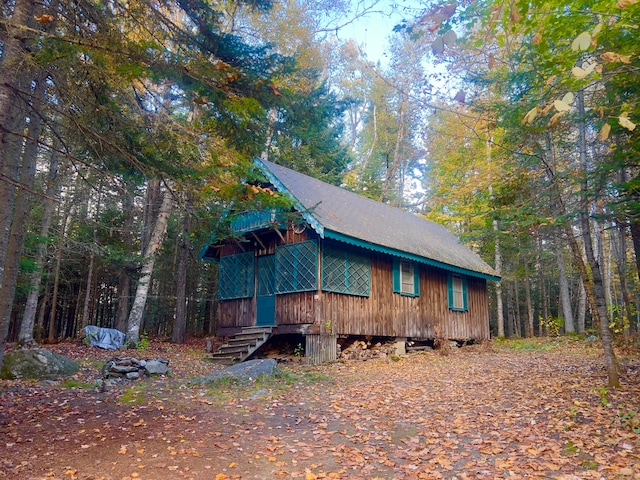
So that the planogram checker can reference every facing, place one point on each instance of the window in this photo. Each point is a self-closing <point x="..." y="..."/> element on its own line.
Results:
<point x="458" y="295"/>
<point x="236" y="276"/>
<point x="406" y="278"/>
<point x="297" y="267"/>
<point x="345" y="271"/>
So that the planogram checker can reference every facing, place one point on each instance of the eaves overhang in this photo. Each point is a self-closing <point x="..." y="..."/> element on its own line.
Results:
<point x="329" y="234"/>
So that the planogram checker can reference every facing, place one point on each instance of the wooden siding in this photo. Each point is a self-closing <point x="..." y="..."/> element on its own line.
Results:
<point x="389" y="314"/>
<point x="320" y="348"/>
<point x="383" y="313"/>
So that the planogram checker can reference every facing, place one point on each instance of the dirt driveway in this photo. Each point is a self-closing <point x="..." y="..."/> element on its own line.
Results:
<point x="515" y="410"/>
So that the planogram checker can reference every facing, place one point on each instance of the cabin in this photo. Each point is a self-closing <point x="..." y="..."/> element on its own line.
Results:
<point x="339" y="264"/>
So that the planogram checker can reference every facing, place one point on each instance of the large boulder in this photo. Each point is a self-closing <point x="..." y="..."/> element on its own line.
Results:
<point x="245" y="371"/>
<point x="37" y="363"/>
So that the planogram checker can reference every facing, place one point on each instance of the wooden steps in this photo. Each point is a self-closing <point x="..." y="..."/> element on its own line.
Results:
<point x="241" y="346"/>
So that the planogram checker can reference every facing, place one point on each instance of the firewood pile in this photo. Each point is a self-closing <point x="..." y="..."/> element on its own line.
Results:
<point x="132" y="368"/>
<point x="362" y="350"/>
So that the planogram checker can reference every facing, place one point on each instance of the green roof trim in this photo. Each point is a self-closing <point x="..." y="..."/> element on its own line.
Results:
<point x="275" y="181"/>
<point x="408" y="256"/>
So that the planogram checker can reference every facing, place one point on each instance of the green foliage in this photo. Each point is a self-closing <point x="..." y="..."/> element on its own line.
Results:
<point x="629" y="419"/>
<point x="143" y="343"/>
<point x="603" y="394"/>
<point x="136" y="394"/>
<point x="552" y="325"/>
<point x="70" y="383"/>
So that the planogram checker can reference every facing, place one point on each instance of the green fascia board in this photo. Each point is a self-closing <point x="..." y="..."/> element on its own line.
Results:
<point x="409" y="256"/>
<point x="311" y="220"/>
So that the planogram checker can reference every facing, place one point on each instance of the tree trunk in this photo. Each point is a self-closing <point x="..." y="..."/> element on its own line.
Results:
<point x="619" y="247"/>
<point x="594" y="284"/>
<point x="87" y="297"/>
<point x="565" y="295"/>
<point x="12" y="115"/>
<point x="498" y="268"/>
<point x="51" y="338"/>
<point x="582" y="308"/>
<point x="157" y="232"/>
<point x="18" y="223"/>
<point x="25" y="336"/>
<point x="124" y="282"/>
<point x="635" y="238"/>
<point x="184" y="249"/>
<point x="529" y="330"/>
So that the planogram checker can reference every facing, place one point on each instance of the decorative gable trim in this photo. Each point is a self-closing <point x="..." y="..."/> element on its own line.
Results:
<point x="279" y="186"/>
<point x="397" y="253"/>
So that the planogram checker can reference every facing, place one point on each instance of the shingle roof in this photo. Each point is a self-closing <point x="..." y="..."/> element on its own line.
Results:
<point x="346" y="216"/>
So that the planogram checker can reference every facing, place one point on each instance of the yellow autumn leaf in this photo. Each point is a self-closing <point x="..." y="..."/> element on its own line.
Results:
<point x="550" y="80"/>
<point x="547" y="109"/>
<point x="580" y="73"/>
<point x="611" y="57"/>
<point x="626" y="123"/>
<point x="556" y="118"/>
<point x="530" y="116"/>
<point x="561" y="106"/>
<point x="537" y="38"/>
<point x="626" y="3"/>
<point x="568" y="98"/>
<point x="603" y="134"/>
<point x="221" y="476"/>
<point x="581" y="42"/>
<point x="596" y="30"/>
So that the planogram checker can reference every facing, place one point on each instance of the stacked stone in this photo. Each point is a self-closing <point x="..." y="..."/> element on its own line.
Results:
<point x="132" y="368"/>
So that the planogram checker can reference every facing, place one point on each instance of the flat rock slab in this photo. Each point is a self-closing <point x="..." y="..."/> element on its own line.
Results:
<point x="37" y="363"/>
<point x="249" y="370"/>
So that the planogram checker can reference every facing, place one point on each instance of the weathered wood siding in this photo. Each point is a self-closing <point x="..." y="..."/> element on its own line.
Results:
<point x="386" y="313"/>
<point x="320" y="348"/>
<point x="383" y="313"/>
<point x="291" y="309"/>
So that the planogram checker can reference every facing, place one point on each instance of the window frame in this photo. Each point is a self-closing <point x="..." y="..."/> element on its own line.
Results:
<point x="398" y="280"/>
<point x="339" y="265"/>
<point x="238" y="269"/>
<point x="463" y="292"/>
<point x="289" y="281"/>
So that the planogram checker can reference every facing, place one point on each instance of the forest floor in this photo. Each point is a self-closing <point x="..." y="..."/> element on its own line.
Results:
<point x="512" y="409"/>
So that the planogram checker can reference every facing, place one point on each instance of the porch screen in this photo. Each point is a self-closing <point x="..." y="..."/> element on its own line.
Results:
<point x="236" y="276"/>
<point x="297" y="267"/>
<point x="345" y="271"/>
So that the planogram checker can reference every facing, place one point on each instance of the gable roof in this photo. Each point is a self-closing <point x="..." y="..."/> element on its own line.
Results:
<point x="339" y="214"/>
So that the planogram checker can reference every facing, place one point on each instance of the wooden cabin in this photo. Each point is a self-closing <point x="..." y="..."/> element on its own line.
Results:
<point x="343" y="264"/>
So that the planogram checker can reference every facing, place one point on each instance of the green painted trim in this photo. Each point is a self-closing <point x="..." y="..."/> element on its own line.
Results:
<point x="409" y="256"/>
<point x="311" y="220"/>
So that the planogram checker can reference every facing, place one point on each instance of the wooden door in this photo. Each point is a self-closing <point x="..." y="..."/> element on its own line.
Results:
<point x="266" y="295"/>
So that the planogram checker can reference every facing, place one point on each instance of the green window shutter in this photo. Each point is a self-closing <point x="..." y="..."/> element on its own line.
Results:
<point x="297" y="267"/>
<point x="236" y="276"/>
<point x="396" y="276"/>
<point x="416" y="280"/>
<point x="465" y="295"/>
<point x="458" y="292"/>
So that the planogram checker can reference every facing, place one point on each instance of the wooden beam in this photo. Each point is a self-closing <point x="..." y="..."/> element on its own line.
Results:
<point x="258" y="240"/>
<point x="280" y="234"/>
<point x="239" y="244"/>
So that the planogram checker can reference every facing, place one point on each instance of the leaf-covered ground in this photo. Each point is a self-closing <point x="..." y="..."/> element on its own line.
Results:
<point x="515" y="410"/>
